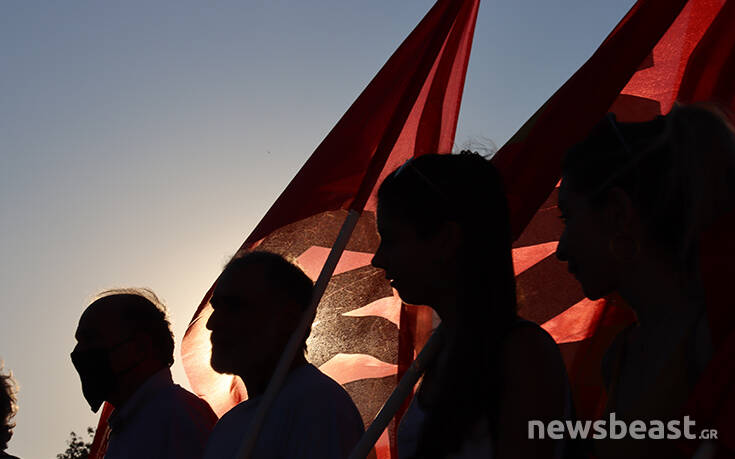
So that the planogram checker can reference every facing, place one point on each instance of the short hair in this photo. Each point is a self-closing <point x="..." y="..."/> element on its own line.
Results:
<point x="8" y="407"/>
<point x="145" y="313"/>
<point x="286" y="277"/>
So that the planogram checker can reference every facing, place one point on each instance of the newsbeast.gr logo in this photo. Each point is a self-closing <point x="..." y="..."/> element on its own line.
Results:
<point x="616" y="429"/>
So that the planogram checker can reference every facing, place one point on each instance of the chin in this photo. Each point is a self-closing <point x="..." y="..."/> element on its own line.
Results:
<point x="220" y="365"/>
<point x="415" y="300"/>
<point x="594" y="294"/>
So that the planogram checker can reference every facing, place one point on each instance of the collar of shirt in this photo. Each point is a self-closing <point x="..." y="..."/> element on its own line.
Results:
<point x="159" y="381"/>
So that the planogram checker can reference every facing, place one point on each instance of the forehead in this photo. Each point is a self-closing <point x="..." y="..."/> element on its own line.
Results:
<point x="244" y="282"/>
<point x="569" y="199"/>
<point x="100" y="322"/>
<point x="390" y="218"/>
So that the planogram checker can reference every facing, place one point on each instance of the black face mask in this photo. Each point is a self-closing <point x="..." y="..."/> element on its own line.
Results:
<point x="98" y="379"/>
<point x="95" y="371"/>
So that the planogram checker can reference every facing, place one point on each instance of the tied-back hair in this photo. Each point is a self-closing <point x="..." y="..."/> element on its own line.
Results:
<point x="465" y="188"/>
<point x="8" y="407"/>
<point x="678" y="170"/>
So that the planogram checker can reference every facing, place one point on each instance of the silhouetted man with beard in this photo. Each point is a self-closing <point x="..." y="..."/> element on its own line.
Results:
<point x="257" y="303"/>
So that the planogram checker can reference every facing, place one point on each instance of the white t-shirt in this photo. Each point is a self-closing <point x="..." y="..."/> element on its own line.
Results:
<point x="312" y="417"/>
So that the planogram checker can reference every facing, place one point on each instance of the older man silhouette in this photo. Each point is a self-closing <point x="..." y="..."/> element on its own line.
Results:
<point x="123" y="354"/>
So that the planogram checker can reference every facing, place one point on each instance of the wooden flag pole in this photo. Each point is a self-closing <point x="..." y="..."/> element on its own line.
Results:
<point x="399" y="394"/>
<point x="297" y="337"/>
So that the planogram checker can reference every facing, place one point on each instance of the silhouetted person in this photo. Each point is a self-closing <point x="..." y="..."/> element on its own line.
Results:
<point x="445" y="242"/>
<point x="635" y="198"/>
<point x="8" y="408"/>
<point x="123" y="353"/>
<point x="257" y="303"/>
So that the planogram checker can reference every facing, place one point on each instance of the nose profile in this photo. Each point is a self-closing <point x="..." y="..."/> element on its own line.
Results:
<point x="377" y="260"/>
<point x="561" y="248"/>
<point x="210" y="321"/>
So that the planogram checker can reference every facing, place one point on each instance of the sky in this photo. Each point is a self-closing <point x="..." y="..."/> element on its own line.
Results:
<point x="141" y="142"/>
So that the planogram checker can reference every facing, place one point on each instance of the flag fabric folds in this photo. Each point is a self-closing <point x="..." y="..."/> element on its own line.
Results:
<point x="408" y="109"/>
<point x="660" y="53"/>
<point x="531" y="165"/>
<point x="363" y="336"/>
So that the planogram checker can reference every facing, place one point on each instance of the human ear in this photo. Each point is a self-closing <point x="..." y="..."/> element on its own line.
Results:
<point x="619" y="213"/>
<point x="449" y="239"/>
<point x="142" y="346"/>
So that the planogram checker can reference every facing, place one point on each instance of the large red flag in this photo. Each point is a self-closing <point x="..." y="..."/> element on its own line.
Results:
<point x="661" y="52"/>
<point x="531" y="165"/>
<point x="410" y="108"/>
<point x="662" y="49"/>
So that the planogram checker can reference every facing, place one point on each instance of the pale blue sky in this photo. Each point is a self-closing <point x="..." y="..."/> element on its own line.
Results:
<point x="140" y="142"/>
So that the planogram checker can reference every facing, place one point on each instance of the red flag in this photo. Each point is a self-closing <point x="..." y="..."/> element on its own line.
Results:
<point x="662" y="51"/>
<point x="102" y="434"/>
<point x="531" y="165"/>
<point x="408" y="109"/>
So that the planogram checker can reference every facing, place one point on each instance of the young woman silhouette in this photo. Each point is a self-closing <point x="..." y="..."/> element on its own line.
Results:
<point x="446" y="243"/>
<point x="635" y="198"/>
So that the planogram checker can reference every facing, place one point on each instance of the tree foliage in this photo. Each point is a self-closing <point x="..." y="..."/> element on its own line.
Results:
<point x="77" y="447"/>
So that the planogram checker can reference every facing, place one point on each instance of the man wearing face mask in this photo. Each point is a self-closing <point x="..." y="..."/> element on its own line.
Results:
<point x="123" y="354"/>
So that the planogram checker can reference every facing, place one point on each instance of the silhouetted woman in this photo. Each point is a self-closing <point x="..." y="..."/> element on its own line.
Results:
<point x="446" y="243"/>
<point x="635" y="198"/>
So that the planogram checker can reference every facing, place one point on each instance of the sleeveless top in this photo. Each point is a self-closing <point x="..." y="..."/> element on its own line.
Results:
<point x="478" y="442"/>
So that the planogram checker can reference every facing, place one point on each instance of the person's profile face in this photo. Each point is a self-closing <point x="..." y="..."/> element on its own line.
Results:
<point x="106" y="350"/>
<point x="412" y="262"/>
<point x="584" y="245"/>
<point x="101" y="327"/>
<point x="90" y="330"/>
<point x="248" y="325"/>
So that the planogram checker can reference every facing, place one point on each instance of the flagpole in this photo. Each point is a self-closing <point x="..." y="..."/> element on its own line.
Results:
<point x="399" y="394"/>
<point x="296" y="340"/>
<point x="376" y="165"/>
